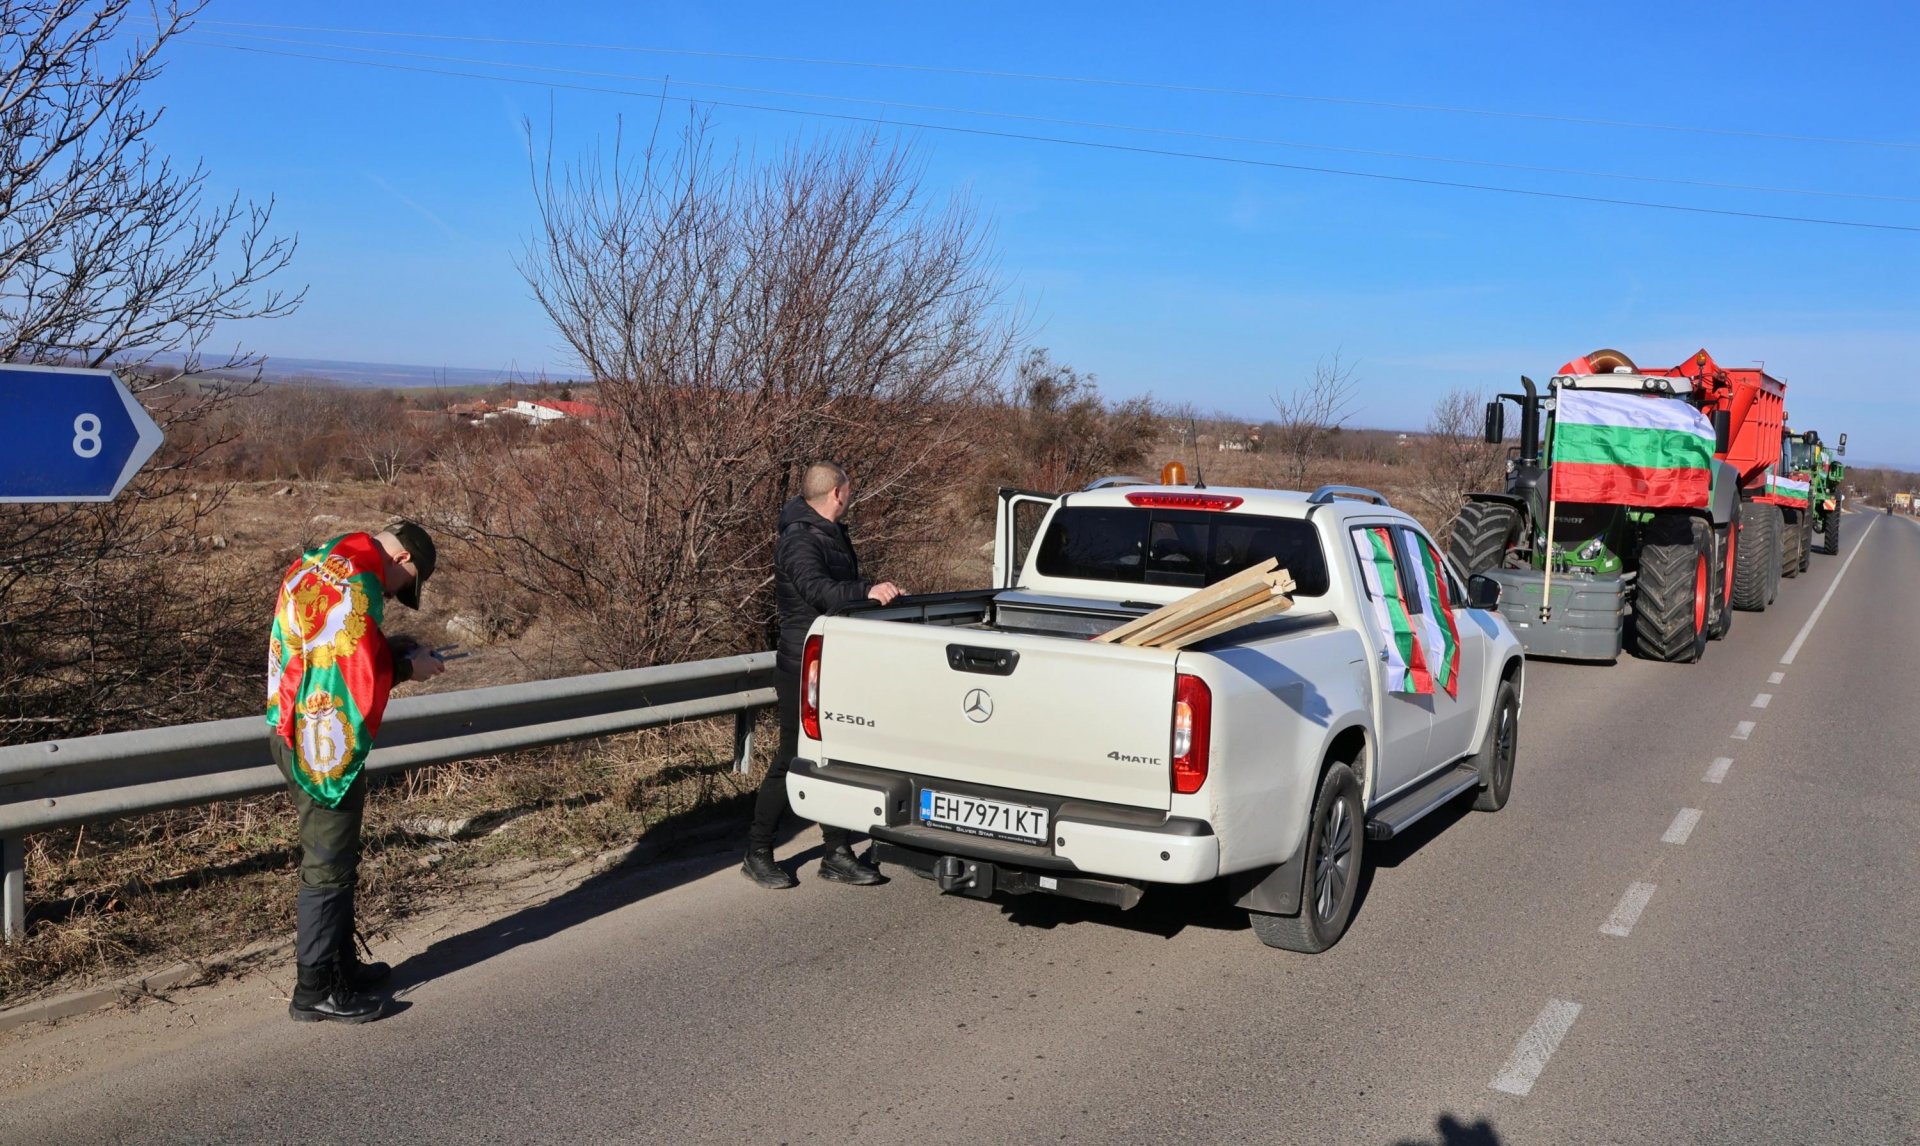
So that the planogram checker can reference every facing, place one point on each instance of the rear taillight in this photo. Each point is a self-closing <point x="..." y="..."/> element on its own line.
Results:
<point x="1192" y="732"/>
<point x="810" y="688"/>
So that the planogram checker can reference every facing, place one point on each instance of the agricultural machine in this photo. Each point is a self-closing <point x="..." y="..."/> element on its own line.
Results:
<point x="1806" y="462"/>
<point x="1647" y="502"/>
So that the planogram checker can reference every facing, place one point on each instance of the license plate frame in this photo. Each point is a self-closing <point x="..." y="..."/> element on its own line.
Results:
<point x="985" y="816"/>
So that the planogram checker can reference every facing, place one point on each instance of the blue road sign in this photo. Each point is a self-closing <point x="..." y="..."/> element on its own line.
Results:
<point x="69" y="434"/>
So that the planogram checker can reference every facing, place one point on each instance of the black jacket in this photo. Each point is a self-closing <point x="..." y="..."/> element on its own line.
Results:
<point x="814" y="570"/>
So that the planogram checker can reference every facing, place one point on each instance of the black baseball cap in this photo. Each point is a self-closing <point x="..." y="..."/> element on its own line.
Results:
<point x="419" y="548"/>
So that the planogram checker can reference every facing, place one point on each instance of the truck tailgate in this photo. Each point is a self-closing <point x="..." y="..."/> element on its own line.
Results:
<point x="1063" y="716"/>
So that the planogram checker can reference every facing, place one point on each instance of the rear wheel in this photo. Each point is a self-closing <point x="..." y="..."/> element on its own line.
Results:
<point x="1830" y="536"/>
<point x="1722" y="613"/>
<point x="1674" y="589"/>
<point x="1335" y="838"/>
<point x="1759" y="548"/>
<point x="1793" y="553"/>
<point x="1502" y="744"/>
<point x="1778" y="552"/>
<point x="1481" y="535"/>
<point x="1806" y="540"/>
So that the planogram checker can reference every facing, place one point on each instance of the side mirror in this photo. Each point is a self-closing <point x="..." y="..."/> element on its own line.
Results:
<point x="1843" y="445"/>
<point x="1496" y="423"/>
<point x="1483" y="592"/>
<point x="1722" y="431"/>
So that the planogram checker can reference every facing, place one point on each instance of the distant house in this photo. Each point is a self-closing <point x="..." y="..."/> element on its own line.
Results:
<point x="544" y="411"/>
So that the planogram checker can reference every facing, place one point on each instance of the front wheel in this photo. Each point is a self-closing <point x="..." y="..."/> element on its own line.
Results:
<point x="1830" y="536"/>
<point x="1481" y="535"/>
<point x="1674" y="590"/>
<point x="1335" y="850"/>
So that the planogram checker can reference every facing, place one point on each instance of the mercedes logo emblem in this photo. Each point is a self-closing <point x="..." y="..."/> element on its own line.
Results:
<point x="978" y="706"/>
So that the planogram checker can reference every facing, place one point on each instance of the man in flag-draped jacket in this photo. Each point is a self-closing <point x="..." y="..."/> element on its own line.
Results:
<point x="329" y="670"/>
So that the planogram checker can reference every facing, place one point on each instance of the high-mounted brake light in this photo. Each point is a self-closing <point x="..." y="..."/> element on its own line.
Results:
<point x="1185" y="500"/>
<point x="810" y="688"/>
<point x="1192" y="732"/>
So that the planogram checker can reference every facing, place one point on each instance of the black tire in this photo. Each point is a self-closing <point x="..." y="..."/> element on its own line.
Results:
<point x="1793" y="540"/>
<point x="1830" y="536"/>
<point x="1806" y="540"/>
<point x="1779" y="523"/>
<point x="1757" y="555"/>
<point x="1720" y="616"/>
<point x="1497" y="752"/>
<point x="1481" y="535"/>
<point x="1336" y="849"/>
<point x="1673" y="594"/>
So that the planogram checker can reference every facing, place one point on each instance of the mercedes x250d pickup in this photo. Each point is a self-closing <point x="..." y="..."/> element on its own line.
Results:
<point x="985" y="741"/>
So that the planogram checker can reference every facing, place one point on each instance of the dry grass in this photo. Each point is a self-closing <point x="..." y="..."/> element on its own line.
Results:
<point x="117" y="898"/>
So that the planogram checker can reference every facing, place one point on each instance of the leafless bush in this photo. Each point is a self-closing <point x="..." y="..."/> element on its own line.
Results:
<point x="1065" y="434"/>
<point x="1308" y="415"/>
<point x="739" y="321"/>
<point x="109" y="254"/>
<point x="1453" y="460"/>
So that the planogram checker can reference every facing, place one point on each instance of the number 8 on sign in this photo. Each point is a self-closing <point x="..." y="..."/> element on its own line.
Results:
<point x="86" y="435"/>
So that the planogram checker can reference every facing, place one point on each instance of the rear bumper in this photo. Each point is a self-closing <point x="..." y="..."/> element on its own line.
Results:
<point x="1086" y="838"/>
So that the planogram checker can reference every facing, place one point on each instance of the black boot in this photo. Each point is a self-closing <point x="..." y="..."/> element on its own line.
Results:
<point x="323" y="994"/>
<point x="761" y="869"/>
<point x="841" y="866"/>
<point x="360" y="976"/>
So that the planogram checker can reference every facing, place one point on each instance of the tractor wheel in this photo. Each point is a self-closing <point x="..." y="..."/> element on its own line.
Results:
<point x="1778" y="522"/>
<point x="1481" y="535"/>
<point x="1830" y="536"/>
<point x="1759" y="545"/>
<point x="1793" y="554"/>
<point x="1674" y="591"/>
<point x="1720" y="614"/>
<point x="1806" y="539"/>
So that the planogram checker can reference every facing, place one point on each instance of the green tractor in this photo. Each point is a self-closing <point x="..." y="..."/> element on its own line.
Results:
<point x="1826" y="474"/>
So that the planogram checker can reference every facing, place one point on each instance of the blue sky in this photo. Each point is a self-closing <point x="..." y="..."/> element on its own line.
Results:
<point x="1196" y="280"/>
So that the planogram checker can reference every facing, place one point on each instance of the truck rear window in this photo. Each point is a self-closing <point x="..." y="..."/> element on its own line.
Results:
<point x="1177" y="547"/>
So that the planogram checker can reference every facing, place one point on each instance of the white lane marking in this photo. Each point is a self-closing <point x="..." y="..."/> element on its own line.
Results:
<point x="1763" y="700"/>
<point x="1535" y="1047"/>
<point x="1682" y="826"/>
<point x="1627" y="912"/>
<point x="1718" y="771"/>
<point x="1776" y="677"/>
<point x="1793" y="650"/>
<point x="1743" y="730"/>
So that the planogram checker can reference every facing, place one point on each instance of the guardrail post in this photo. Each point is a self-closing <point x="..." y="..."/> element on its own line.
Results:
<point x="743" y="722"/>
<point x="13" y="887"/>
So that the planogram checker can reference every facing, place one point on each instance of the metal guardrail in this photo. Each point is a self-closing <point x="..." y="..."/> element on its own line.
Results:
<point x="60" y="783"/>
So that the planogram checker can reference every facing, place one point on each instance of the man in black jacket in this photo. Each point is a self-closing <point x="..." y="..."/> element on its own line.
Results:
<point x="814" y="570"/>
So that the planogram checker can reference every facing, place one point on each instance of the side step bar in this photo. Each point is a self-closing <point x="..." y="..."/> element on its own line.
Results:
<point x="1410" y="806"/>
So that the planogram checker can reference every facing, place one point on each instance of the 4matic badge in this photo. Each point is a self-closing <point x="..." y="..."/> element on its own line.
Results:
<point x="1127" y="758"/>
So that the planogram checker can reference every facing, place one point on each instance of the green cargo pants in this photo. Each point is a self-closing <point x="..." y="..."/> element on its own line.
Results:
<point x="329" y="863"/>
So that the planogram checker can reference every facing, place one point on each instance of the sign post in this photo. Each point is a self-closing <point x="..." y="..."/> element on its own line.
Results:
<point x="70" y="434"/>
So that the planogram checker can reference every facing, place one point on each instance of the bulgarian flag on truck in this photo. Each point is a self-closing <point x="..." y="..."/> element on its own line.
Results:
<point x="1617" y="448"/>
<point x="1793" y="489"/>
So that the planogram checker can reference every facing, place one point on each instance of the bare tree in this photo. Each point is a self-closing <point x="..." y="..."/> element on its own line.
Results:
<point x="1454" y="460"/>
<point x="1307" y="415"/>
<point x="1067" y="434"/>
<point x="738" y="321"/>
<point x="109" y="254"/>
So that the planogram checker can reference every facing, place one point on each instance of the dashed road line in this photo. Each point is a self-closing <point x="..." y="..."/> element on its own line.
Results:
<point x="1763" y="700"/>
<point x="1793" y="650"/>
<point x="1682" y="827"/>
<point x="1717" y="771"/>
<point x="1627" y="912"/>
<point x="1776" y="677"/>
<point x="1743" y="730"/>
<point x="1535" y="1047"/>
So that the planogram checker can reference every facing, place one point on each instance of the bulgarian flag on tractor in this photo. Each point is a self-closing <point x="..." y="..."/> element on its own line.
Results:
<point x="1787" y="487"/>
<point x="1616" y="448"/>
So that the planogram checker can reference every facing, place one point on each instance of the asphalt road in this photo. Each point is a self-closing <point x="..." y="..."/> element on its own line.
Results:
<point x="1680" y="930"/>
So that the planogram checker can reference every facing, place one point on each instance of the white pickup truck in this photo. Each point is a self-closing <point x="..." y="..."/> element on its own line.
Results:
<point x="984" y="741"/>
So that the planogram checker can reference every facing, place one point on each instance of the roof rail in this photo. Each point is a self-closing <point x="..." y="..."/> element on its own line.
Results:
<point x="1327" y="493"/>
<point x="1112" y="480"/>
